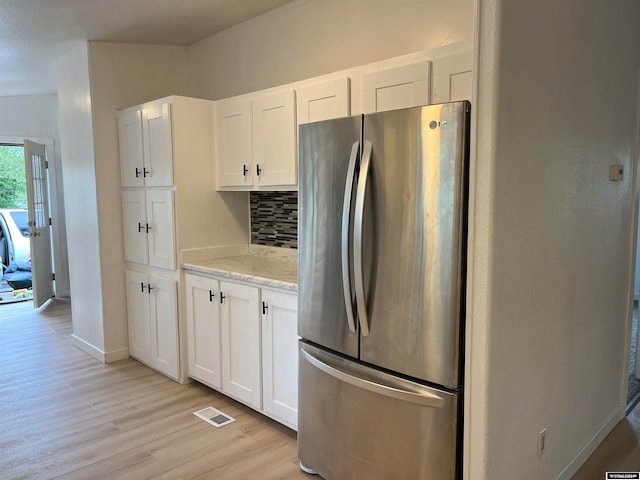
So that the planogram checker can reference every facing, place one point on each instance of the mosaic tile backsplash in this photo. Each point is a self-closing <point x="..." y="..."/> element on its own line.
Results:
<point x="274" y="219"/>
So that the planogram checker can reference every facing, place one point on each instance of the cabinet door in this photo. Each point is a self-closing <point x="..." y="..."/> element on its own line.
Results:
<point x="241" y="374"/>
<point x="280" y="355"/>
<point x="138" y="316"/>
<point x="452" y="78"/>
<point x="161" y="236"/>
<point x="400" y="87"/>
<point x="134" y="225"/>
<point x="323" y="101"/>
<point x="131" y="150"/>
<point x="158" y="149"/>
<point x="164" y="325"/>
<point x="234" y="143"/>
<point x="274" y="139"/>
<point x="203" y="330"/>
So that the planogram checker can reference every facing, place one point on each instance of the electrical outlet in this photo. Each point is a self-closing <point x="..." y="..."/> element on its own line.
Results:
<point x="542" y="440"/>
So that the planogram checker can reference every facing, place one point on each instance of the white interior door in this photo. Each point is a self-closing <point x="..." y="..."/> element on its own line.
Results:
<point x="35" y="160"/>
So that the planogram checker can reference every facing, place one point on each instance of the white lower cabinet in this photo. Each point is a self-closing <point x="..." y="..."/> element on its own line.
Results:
<point x="203" y="330"/>
<point x="242" y="340"/>
<point x="280" y="356"/>
<point x="153" y="321"/>
<point x="240" y="320"/>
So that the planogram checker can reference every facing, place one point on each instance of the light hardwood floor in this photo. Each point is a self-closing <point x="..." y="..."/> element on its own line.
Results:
<point x="65" y="415"/>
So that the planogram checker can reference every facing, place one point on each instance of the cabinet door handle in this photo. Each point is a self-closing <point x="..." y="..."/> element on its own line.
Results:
<point x="265" y="307"/>
<point x="149" y="287"/>
<point x="211" y="295"/>
<point x="142" y="287"/>
<point x="139" y="227"/>
<point x="222" y="297"/>
<point x="145" y="172"/>
<point x="138" y="172"/>
<point x="148" y="228"/>
<point x="245" y="170"/>
<point x="258" y="169"/>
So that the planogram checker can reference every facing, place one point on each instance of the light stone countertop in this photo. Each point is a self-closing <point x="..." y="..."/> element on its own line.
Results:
<point x="267" y="267"/>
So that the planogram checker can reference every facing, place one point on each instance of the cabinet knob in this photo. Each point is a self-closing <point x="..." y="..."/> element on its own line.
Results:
<point x="211" y="296"/>
<point x="265" y="307"/>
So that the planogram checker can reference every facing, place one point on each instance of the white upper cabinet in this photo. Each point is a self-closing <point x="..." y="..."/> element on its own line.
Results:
<point x="145" y="146"/>
<point x="274" y="133"/>
<point x="452" y="78"/>
<point x="396" y="87"/>
<point x="130" y="145"/>
<point x="234" y="143"/>
<point x="158" y="150"/>
<point x="324" y="100"/>
<point x="256" y="141"/>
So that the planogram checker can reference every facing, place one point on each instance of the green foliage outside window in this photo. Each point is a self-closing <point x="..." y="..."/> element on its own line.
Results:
<point x="13" y="184"/>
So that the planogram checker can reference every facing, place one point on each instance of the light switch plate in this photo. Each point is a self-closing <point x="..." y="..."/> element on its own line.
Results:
<point x="616" y="172"/>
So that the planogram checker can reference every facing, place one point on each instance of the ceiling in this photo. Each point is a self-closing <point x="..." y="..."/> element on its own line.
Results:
<point x="34" y="33"/>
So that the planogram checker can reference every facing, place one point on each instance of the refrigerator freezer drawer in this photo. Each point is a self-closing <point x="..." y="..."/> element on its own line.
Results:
<point x="359" y="423"/>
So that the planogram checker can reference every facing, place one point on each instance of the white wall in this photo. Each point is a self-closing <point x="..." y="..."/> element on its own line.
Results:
<point x="76" y="135"/>
<point x="95" y="80"/>
<point x="122" y="75"/>
<point x="551" y="251"/>
<point x="313" y="37"/>
<point x="36" y="116"/>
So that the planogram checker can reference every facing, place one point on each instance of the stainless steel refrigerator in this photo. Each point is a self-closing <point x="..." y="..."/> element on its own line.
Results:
<point x="382" y="241"/>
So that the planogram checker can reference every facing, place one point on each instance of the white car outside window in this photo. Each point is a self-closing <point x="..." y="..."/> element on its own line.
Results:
<point x="14" y="242"/>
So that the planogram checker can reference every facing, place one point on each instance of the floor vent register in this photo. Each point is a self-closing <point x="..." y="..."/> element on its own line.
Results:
<point x="214" y="417"/>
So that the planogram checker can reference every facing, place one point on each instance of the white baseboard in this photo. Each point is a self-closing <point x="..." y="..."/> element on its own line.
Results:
<point x="88" y="348"/>
<point x="605" y="429"/>
<point x="104" y="357"/>
<point x="116" y="355"/>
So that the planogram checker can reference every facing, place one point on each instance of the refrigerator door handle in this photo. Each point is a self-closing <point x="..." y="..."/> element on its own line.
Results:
<point x="423" y="397"/>
<point x="346" y="237"/>
<point x="363" y="315"/>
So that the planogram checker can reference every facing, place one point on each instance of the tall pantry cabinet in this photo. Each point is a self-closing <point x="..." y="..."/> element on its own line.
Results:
<point x="168" y="205"/>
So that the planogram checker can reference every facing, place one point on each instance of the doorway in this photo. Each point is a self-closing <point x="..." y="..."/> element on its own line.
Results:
<point x="15" y="255"/>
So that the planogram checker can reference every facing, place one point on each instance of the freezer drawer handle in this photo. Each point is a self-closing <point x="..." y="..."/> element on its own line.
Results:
<point x="361" y="303"/>
<point x="349" y="299"/>
<point x="424" y="398"/>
